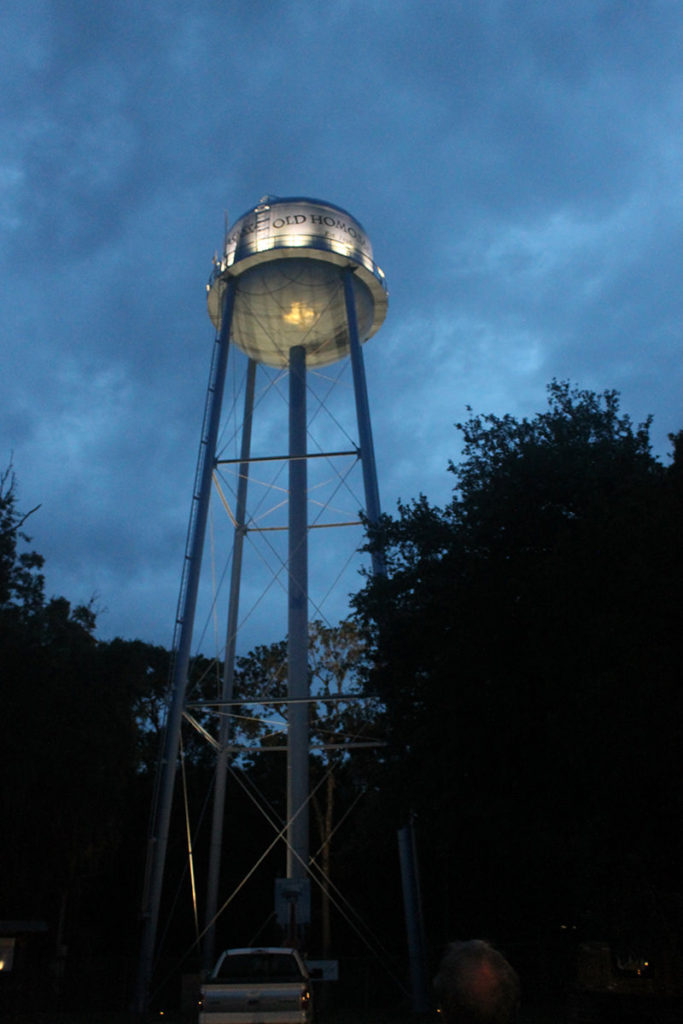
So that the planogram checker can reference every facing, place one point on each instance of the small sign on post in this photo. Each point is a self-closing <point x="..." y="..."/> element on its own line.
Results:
<point x="292" y="895"/>
<point x="323" y="970"/>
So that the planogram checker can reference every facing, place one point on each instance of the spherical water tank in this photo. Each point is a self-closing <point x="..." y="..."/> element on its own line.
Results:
<point x="288" y="258"/>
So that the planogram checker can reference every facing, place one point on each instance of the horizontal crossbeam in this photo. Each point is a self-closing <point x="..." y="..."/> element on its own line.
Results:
<point x="288" y="458"/>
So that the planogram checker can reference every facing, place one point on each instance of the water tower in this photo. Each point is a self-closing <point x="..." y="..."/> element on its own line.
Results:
<point x="296" y="287"/>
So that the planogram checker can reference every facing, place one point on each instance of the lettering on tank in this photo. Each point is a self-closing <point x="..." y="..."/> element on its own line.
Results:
<point x="334" y="228"/>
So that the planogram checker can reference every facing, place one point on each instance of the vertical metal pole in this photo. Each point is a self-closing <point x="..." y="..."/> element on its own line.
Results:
<point x="367" y="448"/>
<point x="412" y="904"/>
<point x="193" y="555"/>
<point x="225" y="730"/>
<point x="297" y="649"/>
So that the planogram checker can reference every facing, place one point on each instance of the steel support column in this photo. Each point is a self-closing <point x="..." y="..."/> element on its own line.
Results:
<point x="158" y="841"/>
<point x="297" y="644"/>
<point x="367" y="448"/>
<point x="225" y="731"/>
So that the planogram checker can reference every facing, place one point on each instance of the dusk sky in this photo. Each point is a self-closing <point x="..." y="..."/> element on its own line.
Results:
<point x="517" y="166"/>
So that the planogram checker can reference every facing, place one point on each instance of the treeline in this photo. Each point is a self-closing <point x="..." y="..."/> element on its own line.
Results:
<point x="523" y="650"/>
<point x="76" y="765"/>
<point x="526" y="643"/>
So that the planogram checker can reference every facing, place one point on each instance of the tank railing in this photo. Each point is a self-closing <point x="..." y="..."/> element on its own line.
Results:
<point x="254" y="244"/>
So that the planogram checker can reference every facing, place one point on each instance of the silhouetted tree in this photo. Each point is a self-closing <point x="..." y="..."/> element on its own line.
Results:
<point x="526" y="644"/>
<point x="21" y="584"/>
<point x="73" y="734"/>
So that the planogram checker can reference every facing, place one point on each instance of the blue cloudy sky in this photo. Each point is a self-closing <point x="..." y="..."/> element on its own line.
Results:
<point x="516" y="164"/>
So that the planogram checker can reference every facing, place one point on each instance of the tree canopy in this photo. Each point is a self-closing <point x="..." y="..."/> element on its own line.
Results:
<point x="74" y="755"/>
<point x="526" y="644"/>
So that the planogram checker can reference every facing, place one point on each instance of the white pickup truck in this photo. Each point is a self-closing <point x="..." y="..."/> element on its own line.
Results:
<point x="257" y="986"/>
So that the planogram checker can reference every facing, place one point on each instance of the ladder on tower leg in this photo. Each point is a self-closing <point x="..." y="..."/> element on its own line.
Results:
<point x="204" y="454"/>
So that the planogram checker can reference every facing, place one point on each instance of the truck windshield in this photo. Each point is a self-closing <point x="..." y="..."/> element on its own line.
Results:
<point x="254" y="968"/>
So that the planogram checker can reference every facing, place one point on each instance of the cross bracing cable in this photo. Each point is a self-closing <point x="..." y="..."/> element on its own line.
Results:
<point x="321" y="402"/>
<point x="281" y="835"/>
<point x="338" y="900"/>
<point x="272" y="380"/>
<point x="179" y="886"/>
<point x="188" y="836"/>
<point x="230" y="417"/>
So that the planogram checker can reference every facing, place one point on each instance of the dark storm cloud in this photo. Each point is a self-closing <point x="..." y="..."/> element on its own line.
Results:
<point x="516" y="165"/>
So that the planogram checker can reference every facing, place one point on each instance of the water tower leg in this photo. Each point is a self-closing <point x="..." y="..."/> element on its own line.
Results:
<point x="167" y="769"/>
<point x="297" y="649"/>
<point x="367" y="448"/>
<point x="216" y="844"/>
